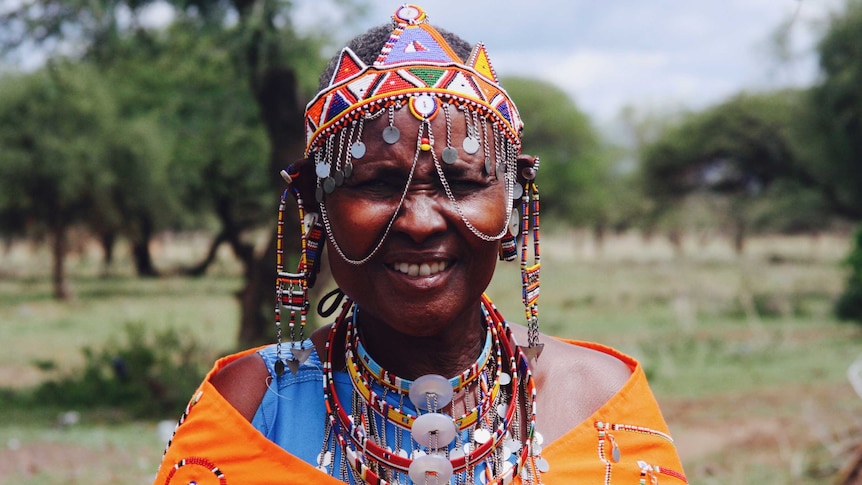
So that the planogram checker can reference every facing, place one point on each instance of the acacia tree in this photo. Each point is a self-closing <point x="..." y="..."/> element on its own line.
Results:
<point x="54" y="125"/>
<point x="742" y="155"/>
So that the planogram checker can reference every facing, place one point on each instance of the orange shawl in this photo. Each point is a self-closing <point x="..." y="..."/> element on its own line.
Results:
<point x="624" y="441"/>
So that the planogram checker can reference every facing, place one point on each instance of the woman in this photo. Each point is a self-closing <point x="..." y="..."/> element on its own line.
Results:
<point x="413" y="165"/>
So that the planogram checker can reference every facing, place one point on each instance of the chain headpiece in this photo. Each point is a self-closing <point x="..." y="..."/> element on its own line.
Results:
<point x="415" y="61"/>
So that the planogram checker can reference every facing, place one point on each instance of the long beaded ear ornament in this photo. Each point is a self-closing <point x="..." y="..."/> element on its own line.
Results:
<point x="530" y="272"/>
<point x="292" y="288"/>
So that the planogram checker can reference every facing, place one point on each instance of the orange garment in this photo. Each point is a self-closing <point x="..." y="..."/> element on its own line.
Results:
<point x="214" y="444"/>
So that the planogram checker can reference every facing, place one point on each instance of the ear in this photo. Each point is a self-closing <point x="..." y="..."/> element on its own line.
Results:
<point x="528" y="165"/>
<point x="300" y="175"/>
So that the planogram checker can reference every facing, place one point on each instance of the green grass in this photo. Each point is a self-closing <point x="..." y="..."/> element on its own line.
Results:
<point x="742" y="352"/>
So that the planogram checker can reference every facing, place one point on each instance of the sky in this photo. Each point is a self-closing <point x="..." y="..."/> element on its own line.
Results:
<point x="654" y="55"/>
<point x="650" y="54"/>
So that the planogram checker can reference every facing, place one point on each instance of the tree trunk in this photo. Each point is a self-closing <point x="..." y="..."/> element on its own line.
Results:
<point x="141" y="249"/>
<point x="108" y="241"/>
<point x="61" y="287"/>
<point x="201" y="268"/>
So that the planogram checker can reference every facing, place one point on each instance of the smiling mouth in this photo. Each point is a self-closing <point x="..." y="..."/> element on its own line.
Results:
<point x="422" y="269"/>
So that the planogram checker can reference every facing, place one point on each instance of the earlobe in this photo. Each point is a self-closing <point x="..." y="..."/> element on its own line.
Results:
<point x="300" y="176"/>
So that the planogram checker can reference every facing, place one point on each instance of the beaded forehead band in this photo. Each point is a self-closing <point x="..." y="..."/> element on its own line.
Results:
<point x="415" y="66"/>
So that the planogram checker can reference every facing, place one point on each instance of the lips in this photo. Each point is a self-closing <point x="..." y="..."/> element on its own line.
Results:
<point x="420" y="269"/>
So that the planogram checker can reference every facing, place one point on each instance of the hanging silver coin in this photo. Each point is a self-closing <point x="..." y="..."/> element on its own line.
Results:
<point x="318" y="194"/>
<point x="322" y="170"/>
<point x="501" y="172"/>
<point x="348" y="170"/>
<point x="328" y="185"/>
<point x="357" y="150"/>
<point x="391" y="135"/>
<point x="339" y="178"/>
<point x="487" y="165"/>
<point x="471" y="145"/>
<point x="517" y="191"/>
<point x="450" y="155"/>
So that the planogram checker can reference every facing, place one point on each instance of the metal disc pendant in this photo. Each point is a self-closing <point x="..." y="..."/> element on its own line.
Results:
<point x="615" y="453"/>
<point x="322" y="170"/>
<point x="481" y="435"/>
<point x="517" y="191"/>
<point x="279" y="367"/>
<point x="430" y="469"/>
<point x="501" y="172"/>
<point x="318" y="194"/>
<point x="450" y="155"/>
<point x="324" y="459"/>
<point x="471" y="145"/>
<point x="339" y="178"/>
<point x="487" y="165"/>
<point x="391" y="135"/>
<point x="348" y="169"/>
<point x="515" y="222"/>
<point x="434" y="430"/>
<point x="542" y="465"/>
<point x="431" y="387"/>
<point x="357" y="150"/>
<point x="328" y="185"/>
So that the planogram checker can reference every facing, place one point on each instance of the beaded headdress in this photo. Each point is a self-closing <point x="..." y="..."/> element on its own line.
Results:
<point x="416" y="63"/>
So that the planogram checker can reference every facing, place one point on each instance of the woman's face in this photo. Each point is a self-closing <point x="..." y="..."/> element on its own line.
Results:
<point x="430" y="267"/>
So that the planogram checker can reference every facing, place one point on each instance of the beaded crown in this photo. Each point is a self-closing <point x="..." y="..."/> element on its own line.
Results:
<point x="416" y="60"/>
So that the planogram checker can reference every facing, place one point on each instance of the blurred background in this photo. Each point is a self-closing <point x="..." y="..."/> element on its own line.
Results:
<point x="701" y="176"/>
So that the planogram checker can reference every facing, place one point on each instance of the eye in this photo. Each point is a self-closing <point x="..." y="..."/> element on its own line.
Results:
<point x="465" y="185"/>
<point x="375" y="188"/>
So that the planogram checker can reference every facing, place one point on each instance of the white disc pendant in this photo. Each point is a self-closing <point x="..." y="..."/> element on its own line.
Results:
<point x="357" y="150"/>
<point x="430" y="469"/>
<point x="434" y="430"/>
<point x="517" y="191"/>
<point x="471" y="145"/>
<point x="481" y="436"/>
<point x="322" y="170"/>
<point x="450" y="155"/>
<point x="431" y="388"/>
<point x="391" y="135"/>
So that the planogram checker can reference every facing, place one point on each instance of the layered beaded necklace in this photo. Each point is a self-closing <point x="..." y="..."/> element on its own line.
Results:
<point x="396" y="431"/>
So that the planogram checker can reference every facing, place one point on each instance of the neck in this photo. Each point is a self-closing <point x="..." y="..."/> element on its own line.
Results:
<point x="446" y="353"/>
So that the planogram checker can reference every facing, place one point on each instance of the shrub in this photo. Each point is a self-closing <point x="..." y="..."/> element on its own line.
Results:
<point x="849" y="305"/>
<point x="147" y="375"/>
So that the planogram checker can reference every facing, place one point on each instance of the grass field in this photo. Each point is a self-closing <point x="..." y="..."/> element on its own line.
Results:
<point x="742" y="352"/>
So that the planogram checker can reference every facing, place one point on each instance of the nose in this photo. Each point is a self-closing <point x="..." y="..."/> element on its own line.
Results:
<point x="422" y="215"/>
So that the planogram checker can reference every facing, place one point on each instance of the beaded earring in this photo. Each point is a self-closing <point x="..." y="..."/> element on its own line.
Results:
<point x="530" y="273"/>
<point x="292" y="288"/>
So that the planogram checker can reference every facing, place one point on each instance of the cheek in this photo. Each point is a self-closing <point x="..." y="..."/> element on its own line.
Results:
<point x="486" y="211"/>
<point x="356" y="224"/>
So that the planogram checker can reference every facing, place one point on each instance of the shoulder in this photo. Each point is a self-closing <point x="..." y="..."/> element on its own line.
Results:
<point x="242" y="383"/>
<point x="574" y="380"/>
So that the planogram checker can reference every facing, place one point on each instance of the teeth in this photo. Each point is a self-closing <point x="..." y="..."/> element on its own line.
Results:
<point x="424" y="269"/>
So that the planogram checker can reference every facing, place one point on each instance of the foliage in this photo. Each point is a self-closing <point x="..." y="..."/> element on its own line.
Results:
<point x="849" y="304"/>
<point x="575" y="172"/>
<point x="148" y="375"/>
<point x="749" y="154"/>
<point x="838" y="122"/>
<point x="838" y="114"/>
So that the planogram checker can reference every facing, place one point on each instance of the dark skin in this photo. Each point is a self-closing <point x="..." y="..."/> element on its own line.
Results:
<point x="430" y="322"/>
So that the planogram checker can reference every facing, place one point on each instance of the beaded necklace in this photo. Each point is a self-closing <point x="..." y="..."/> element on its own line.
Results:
<point x="396" y="383"/>
<point x="479" y="454"/>
<point x="363" y="384"/>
